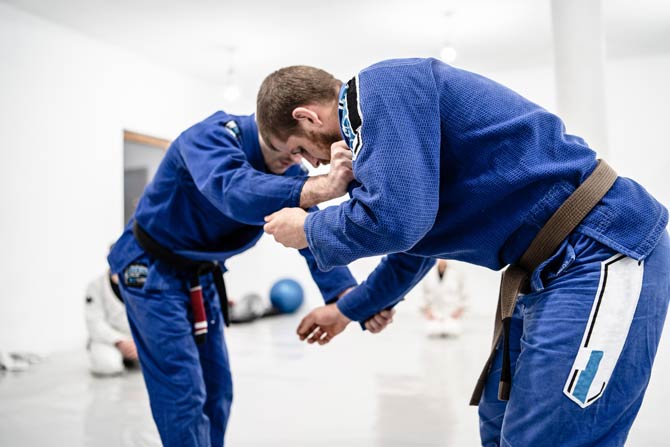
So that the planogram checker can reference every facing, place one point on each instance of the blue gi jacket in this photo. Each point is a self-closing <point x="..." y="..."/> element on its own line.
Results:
<point x="209" y="196"/>
<point x="453" y="165"/>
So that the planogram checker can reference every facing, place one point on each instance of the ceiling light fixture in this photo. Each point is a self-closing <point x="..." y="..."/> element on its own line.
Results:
<point x="448" y="53"/>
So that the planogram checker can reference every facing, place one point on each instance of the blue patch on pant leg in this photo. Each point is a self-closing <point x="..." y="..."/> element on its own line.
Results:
<point x="586" y="377"/>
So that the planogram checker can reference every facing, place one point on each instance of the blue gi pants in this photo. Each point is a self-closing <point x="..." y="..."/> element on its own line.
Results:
<point x="189" y="385"/>
<point x="571" y="386"/>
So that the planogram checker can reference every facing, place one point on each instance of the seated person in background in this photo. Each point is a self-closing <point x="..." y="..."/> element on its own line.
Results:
<point x="444" y="300"/>
<point x="110" y="344"/>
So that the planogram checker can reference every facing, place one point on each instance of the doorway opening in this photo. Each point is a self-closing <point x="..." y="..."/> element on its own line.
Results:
<point x="141" y="156"/>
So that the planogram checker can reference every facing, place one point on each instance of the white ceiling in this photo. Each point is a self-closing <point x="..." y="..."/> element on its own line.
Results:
<point x="195" y="36"/>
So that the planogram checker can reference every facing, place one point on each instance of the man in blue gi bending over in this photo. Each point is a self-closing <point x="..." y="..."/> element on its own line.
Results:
<point x="450" y="164"/>
<point x="205" y="204"/>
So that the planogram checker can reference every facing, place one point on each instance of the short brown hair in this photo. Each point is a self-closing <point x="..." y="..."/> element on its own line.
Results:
<point x="287" y="88"/>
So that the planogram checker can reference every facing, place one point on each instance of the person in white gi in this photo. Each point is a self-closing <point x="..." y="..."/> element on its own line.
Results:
<point x="110" y="346"/>
<point x="444" y="300"/>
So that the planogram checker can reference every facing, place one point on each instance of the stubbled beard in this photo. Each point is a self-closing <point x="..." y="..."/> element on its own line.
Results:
<point x="325" y="140"/>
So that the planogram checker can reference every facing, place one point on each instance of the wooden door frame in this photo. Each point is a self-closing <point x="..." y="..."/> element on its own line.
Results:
<point x="136" y="137"/>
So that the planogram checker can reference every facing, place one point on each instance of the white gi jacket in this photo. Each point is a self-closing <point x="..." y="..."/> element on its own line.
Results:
<point x="446" y="295"/>
<point x="105" y="313"/>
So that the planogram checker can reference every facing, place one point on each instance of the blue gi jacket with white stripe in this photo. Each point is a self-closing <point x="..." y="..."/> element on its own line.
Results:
<point x="209" y="196"/>
<point x="453" y="165"/>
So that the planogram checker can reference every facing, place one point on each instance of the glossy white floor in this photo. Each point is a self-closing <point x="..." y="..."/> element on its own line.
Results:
<point x="394" y="389"/>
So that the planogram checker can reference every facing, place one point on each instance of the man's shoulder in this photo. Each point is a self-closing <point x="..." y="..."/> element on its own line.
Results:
<point x="390" y="78"/>
<point x="219" y="126"/>
<point x="214" y="121"/>
<point x="399" y="63"/>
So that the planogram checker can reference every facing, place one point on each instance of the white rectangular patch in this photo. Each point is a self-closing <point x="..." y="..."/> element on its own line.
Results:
<point x="607" y="329"/>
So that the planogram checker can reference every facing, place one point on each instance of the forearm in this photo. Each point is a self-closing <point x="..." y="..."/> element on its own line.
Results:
<point x="322" y="188"/>
<point x="317" y="189"/>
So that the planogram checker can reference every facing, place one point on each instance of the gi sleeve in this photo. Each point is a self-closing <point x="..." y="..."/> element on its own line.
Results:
<point x="223" y="174"/>
<point x="386" y="286"/>
<point x="397" y="162"/>
<point x="99" y="329"/>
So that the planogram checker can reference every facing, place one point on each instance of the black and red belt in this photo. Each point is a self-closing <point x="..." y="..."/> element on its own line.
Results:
<point x="195" y="269"/>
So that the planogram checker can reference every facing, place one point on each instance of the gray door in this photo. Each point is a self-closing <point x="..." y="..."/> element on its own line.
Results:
<point x="140" y="162"/>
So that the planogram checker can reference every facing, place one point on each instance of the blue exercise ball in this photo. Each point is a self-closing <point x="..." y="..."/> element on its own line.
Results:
<point x="286" y="295"/>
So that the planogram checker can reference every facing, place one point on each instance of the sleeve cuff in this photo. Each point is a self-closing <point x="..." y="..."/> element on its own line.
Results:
<point x="296" y="191"/>
<point x="331" y="299"/>
<point x="354" y="305"/>
<point x="313" y="244"/>
<point x="119" y="337"/>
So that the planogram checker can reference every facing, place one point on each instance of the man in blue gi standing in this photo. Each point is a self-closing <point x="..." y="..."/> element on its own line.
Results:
<point x="450" y="164"/>
<point x="205" y="204"/>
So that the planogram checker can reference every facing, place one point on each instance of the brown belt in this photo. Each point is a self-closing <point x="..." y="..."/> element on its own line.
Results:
<point x="515" y="279"/>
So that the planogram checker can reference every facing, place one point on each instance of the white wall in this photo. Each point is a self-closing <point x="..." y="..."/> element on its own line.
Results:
<point x="64" y="102"/>
<point x="639" y="118"/>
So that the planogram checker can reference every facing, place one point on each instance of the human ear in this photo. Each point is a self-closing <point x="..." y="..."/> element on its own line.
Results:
<point x="306" y="117"/>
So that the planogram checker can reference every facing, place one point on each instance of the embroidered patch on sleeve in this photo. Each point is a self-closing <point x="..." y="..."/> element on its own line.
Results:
<point x="351" y="118"/>
<point x="234" y="129"/>
<point x="607" y="329"/>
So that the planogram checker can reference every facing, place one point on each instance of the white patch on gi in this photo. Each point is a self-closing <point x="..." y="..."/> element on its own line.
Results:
<point x="607" y="329"/>
<point x="233" y="129"/>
